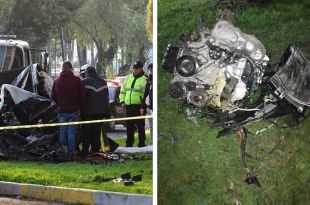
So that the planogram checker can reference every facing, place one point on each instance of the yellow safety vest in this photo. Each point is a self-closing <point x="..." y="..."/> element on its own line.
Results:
<point x="132" y="90"/>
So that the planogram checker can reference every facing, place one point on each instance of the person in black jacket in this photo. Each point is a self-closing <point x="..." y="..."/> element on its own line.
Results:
<point x="96" y="107"/>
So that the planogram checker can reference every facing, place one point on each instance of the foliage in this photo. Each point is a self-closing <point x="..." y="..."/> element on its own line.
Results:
<point x="199" y="169"/>
<point x="4" y="15"/>
<point x="109" y="24"/>
<point x="134" y="36"/>
<point x="111" y="74"/>
<point x="41" y="19"/>
<point x="149" y="20"/>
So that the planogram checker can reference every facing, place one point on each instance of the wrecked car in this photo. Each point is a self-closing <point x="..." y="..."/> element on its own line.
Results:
<point x="27" y="102"/>
<point x="29" y="96"/>
<point x="222" y="74"/>
<point x="25" y="99"/>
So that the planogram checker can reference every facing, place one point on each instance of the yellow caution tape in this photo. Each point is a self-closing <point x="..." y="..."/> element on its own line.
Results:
<point x="73" y="123"/>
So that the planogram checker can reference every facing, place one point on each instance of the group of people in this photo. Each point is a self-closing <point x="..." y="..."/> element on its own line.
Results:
<point x="86" y="98"/>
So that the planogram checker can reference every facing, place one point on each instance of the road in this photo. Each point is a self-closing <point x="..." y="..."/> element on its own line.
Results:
<point x="25" y="201"/>
<point x="120" y="131"/>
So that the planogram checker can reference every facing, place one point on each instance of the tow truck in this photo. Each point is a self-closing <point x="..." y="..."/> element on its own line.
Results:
<point x="16" y="55"/>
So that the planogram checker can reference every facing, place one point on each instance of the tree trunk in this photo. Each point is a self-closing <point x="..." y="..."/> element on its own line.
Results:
<point x="123" y="57"/>
<point x="81" y="54"/>
<point x="96" y="58"/>
<point x="116" y="63"/>
<point x="128" y="56"/>
<point x="141" y="54"/>
<point x="70" y="51"/>
<point x="123" y="70"/>
<point x="100" y="65"/>
<point x="105" y="57"/>
<point x="92" y="56"/>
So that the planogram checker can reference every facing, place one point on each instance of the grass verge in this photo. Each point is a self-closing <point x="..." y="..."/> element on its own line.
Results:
<point x="81" y="175"/>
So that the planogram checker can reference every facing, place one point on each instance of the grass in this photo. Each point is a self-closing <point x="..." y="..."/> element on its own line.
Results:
<point x="78" y="175"/>
<point x="81" y="175"/>
<point x="122" y="140"/>
<point x="200" y="169"/>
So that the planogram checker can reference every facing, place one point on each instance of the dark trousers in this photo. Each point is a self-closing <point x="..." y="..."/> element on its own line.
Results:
<point x="90" y="134"/>
<point x="132" y="111"/>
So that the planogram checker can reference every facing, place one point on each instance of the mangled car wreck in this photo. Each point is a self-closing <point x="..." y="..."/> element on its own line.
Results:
<point x="27" y="101"/>
<point x="223" y="74"/>
<point x="24" y="99"/>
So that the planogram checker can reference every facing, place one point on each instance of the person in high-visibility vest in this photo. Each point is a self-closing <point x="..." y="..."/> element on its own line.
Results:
<point x="131" y="95"/>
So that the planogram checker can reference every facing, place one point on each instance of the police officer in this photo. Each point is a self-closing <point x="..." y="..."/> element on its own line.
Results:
<point x="96" y="107"/>
<point x="131" y="94"/>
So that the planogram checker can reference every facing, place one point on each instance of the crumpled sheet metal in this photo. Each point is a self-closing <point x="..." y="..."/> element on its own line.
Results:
<point x="28" y="101"/>
<point x="35" y="80"/>
<point x="30" y="96"/>
<point x="28" y="107"/>
<point x="16" y="94"/>
<point x="293" y="78"/>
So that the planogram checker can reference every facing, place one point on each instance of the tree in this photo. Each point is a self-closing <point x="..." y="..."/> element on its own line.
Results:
<point x="133" y="37"/>
<point x="92" y="26"/>
<point x="149" y="20"/>
<point x="112" y="25"/>
<point x="42" y="19"/>
<point x="5" y="11"/>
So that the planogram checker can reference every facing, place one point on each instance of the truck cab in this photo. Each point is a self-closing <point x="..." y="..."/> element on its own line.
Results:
<point x="15" y="55"/>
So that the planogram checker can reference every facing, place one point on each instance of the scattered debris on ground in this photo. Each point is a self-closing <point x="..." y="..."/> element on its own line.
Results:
<point x="251" y="178"/>
<point x="175" y="139"/>
<point x="124" y="178"/>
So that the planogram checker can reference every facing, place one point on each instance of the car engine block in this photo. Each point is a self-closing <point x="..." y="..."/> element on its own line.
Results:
<point x="216" y="68"/>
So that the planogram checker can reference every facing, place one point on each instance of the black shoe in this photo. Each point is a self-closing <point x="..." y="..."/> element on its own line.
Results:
<point x="142" y="145"/>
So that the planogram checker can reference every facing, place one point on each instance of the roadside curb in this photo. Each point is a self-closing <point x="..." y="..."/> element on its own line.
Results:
<point x="73" y="195"/>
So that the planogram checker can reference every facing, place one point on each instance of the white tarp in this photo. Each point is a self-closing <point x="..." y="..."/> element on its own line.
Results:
<point x="125" y="150"/>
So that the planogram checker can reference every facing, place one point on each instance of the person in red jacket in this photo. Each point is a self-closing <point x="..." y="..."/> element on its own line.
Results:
<point x="68" y="92"/>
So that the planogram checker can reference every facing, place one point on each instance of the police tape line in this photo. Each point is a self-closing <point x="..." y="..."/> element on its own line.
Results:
<point x="73" y="123"/>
